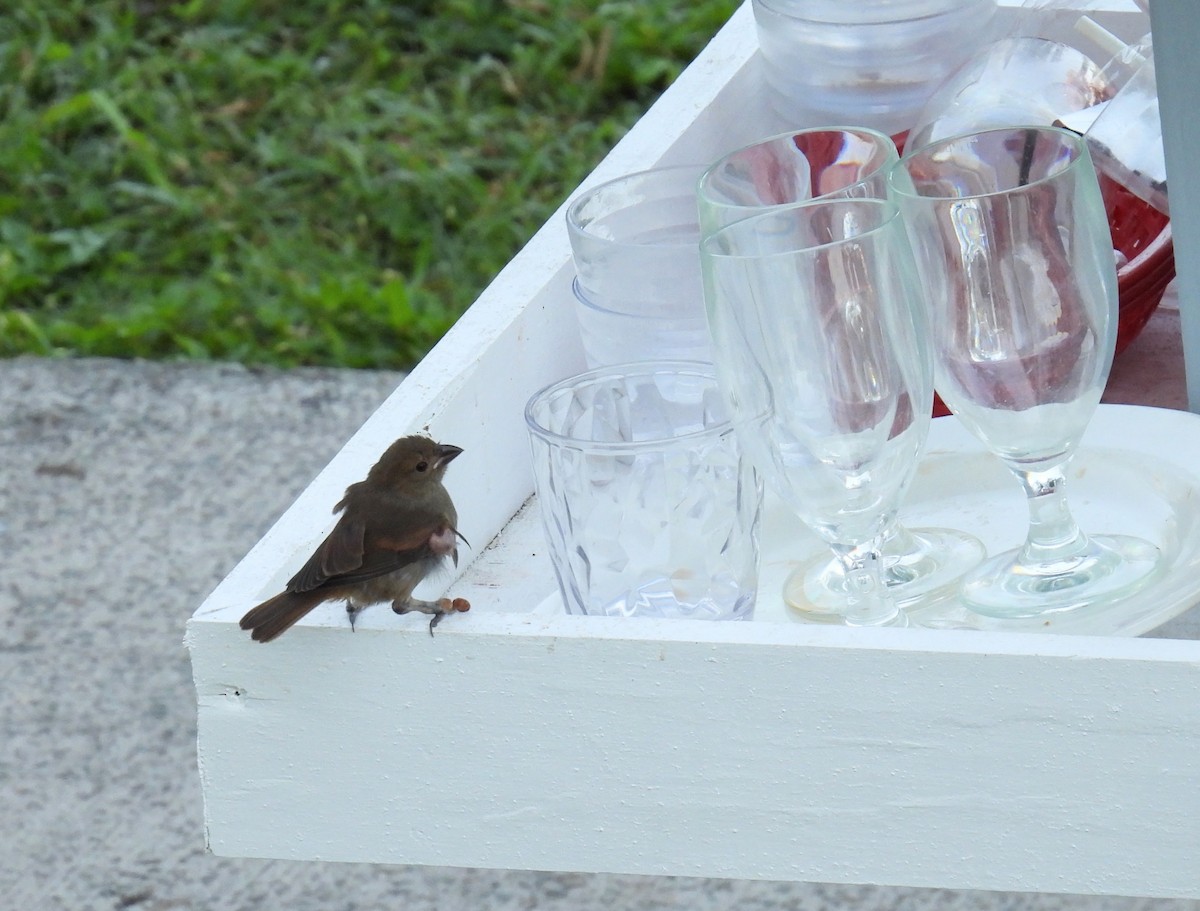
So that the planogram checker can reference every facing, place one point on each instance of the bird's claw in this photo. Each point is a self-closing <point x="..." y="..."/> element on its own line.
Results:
<point x="436" y="609"/>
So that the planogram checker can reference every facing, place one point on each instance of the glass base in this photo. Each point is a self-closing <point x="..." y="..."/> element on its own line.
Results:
<point x="921" y="566"/>
<point x="1112" y="567"/>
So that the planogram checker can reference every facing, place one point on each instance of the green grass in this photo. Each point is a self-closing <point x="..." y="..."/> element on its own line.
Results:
<point x="299" y="181"/>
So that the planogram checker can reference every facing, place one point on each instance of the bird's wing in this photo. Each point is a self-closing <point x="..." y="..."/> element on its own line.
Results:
<point x="380" y="563"/>
<point x="346" y="557"/>
<point x="339" y="553"/>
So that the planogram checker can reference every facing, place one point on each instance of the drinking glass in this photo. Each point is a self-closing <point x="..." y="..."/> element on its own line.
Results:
<point x="814" y="314"/>
<point x="823" y="163"/>
<point x="634" y="241"/>
<point x="649" y="508"/>
<point x="1015" y="254"/>
<point x="870" y="61"/>
<point x="791" y="167"/>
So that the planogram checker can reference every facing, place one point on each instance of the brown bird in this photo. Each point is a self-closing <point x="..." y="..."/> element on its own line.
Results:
<point x="396" y="527"/>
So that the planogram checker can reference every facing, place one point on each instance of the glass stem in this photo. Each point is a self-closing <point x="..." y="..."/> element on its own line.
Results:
<point x="867" y="600"/>
<point x="896" y="539"/>
<point x="1054" y="538"/>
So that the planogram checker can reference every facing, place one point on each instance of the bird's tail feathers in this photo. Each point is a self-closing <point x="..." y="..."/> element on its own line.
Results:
<point x="276" y="615"/>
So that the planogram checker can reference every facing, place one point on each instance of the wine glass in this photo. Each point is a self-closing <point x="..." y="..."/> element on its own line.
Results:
<point x="1014" y="252"/>
<point x="825" y="163"/>
<point x="814" y="314"/>
<point x="791" y="167"/>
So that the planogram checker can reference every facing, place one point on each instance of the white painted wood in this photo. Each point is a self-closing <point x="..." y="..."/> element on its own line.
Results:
<point x="519" y="737"/>
<point x="744" y="750"/>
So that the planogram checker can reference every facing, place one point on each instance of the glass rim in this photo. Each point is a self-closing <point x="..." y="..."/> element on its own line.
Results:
<point x="776" y="7"/>
<point x="866" y="132"/>
<point x="698" y="369"/>
<point x="1074" y="141"/>
<point x="686" y="172"/>
<point x="888" y="206"/>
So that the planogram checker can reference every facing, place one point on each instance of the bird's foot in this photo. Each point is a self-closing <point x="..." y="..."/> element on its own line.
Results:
<point x="436" y="609"/>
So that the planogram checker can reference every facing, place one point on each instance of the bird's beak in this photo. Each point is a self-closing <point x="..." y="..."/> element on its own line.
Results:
<point x="446" y="454"/>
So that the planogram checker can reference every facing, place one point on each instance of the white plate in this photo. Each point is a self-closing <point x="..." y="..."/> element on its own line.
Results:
<point x="1136" y="472"/>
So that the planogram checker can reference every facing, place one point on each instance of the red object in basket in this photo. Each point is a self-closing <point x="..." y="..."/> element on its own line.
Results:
<point x="1142" y="234"/>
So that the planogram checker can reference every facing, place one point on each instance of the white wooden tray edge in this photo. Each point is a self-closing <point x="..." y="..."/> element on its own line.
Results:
<point x="899" y="757"/>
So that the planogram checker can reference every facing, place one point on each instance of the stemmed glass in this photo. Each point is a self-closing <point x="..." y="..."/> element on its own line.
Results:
<point x="1015" y="254"/>
<point x="830" y="163"/>
<point x="792" y="167"/>
<point x="814" y="314"/>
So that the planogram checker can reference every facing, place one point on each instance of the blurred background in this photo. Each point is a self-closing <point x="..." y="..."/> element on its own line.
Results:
<point x="322" y="182"/>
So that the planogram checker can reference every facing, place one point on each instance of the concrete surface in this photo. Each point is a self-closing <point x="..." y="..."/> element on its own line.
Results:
<point x="127" y="490"/>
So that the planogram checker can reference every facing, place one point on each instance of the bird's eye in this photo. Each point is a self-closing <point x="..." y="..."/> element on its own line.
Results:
<point x="421" y="466"/>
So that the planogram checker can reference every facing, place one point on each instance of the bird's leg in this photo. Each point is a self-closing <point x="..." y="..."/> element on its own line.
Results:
<point x="436" y="609"/>
<point x="352" y="611"/>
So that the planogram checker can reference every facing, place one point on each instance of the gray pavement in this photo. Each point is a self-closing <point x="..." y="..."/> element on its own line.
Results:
<point x="127" y="491"/>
